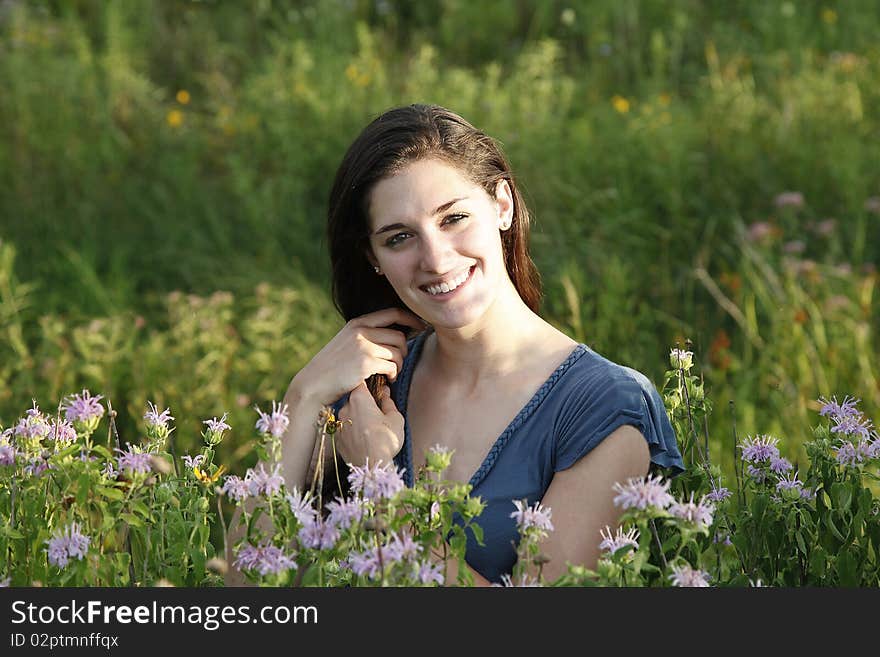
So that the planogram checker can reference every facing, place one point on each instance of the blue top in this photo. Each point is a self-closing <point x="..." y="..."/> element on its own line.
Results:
<point x="581" y="403"/>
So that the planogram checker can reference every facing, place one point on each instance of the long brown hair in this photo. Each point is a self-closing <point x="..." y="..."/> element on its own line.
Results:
<point x="396" y="138"/>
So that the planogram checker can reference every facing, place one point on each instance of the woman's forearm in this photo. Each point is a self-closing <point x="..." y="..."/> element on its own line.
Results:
<point x="298" y="442"/>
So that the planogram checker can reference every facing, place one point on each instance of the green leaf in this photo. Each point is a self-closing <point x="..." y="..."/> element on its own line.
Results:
<point x="142" y="509"/>
<point x="83" y="486"/>
<point x="819" y="562"/>
<point x="800" y="541"/>
<point x="310" y="577"/>
<point x="847" y="567"/>
<point x="110" y="493"/>
<point x="842" y="495"/>
<point x="103" y="451"/>
<point x="478" y="533"/>
<point x="131" y="519"/>
<point x="740" y="580"/>
<point x="759" y="505"/>
<point x="10" y="532"/>
<point x="829" y="522"/>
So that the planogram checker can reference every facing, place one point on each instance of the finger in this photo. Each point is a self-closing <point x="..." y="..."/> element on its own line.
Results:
<point x="360" y="395"/>
<point x="388" y="316"/>
<point x="385" y="336"/>
<point x="387" y="403"/>
<point x="381" y="360"/>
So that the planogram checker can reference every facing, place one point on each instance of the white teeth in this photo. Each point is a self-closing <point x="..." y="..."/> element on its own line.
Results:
<point x="448" y="287"/>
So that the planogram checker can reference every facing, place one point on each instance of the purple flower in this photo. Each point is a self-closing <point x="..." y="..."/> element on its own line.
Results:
<point x="274" y="424"/>
<point x="760" y="448"/>
<point x="401" y="547"/>
<point x="301" y="506"/>
<point x="266" y="559"/>
<point x="36" y="466"/>
<point x="193" y="461"/>
<point x="365" y="564"/>
<point x="650" y="492"/>
<point x="235" y="488"/>
<point x="344" y="513"/>
<point x="4" y="583"/>
<point x="318" y="535"/>
<point x="825" y="227"/>
<point x="838" y="411"/>
<point x="853" y="426"/>
<point x="156" y="420"/>
<point x="759" y="475"/>
<point x="699" y="514"/>
<point x="724" y="539"/>
<point x="67" y="543"/>
<point x="872" y="449"/>
<point x="719" y="494"/>
<point x="33" y="426"/>
<point x="376" y="482"/>
<point x="780" y="464"/>
<point x="789" y="200"/>
<point x="262" y="482"/>
<point x="532" y="517"/>
<point x="525" y="581"/>
<point x="852" y="455"/>
<point x="7" y="454"/>
<point x="680" y="359"/>
<point x="430" y="573"/>
<point x="62" y="433"/>
<point x="109" y="471"/>
<point x="132" y="461"/>
<point x="84" y="409"/>
<point x="759" y="231"/>
<point x="614" y="543"/>
<point x="685" y="576"/>
<point x="790" y="482"/>
<point x="214" y="433"/>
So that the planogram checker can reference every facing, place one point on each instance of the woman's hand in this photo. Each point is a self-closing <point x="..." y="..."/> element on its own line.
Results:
<point x="375" y="432"/>
<point x="362" y="347"/>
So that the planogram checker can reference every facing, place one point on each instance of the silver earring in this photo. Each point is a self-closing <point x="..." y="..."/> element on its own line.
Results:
<point x="377" y="269"/>
<point x="506" y="224"/>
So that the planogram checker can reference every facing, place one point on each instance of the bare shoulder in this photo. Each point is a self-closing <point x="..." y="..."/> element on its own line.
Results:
<point x="622" y="454"/>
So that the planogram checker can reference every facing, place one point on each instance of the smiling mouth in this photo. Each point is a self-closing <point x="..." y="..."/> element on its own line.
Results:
<point x="446" y="290"/>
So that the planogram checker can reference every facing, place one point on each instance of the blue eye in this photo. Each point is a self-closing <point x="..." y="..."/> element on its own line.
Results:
<point x="399" y="238"/>
<point x="394" y="240"/>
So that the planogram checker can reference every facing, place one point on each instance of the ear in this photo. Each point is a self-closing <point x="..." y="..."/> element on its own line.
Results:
<point x="504" y="202"/>
<point x="368" y="252"/>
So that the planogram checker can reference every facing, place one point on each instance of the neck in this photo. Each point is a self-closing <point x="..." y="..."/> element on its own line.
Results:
<point x="470" y="357"/>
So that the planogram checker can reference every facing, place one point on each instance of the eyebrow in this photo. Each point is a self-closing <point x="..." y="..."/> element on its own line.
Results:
<point x="441" y="208"/>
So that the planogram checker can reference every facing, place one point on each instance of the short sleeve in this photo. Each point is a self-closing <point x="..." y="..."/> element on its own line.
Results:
<point x="604" y="400"/>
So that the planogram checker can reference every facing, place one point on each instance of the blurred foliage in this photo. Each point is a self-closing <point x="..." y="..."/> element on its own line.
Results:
<point x="155" y="152"/>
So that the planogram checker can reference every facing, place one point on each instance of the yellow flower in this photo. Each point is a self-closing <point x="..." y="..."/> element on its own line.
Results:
<point x="351" y="72"/>
<point x="206" y="478"/>
<point x="175" y="118"/>
<point x="829" y="16"/>
<point x="664" y="99"/>
<point x="621" y="104"/>
<point x="183" y="97"/>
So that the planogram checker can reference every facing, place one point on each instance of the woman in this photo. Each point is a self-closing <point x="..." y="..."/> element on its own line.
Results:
<point x="429" y="236"/>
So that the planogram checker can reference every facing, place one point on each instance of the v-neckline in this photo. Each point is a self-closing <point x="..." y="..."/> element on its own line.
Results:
<point x="402" y="401"/>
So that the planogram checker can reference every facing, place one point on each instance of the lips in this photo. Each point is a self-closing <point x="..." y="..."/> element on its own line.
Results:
<point x="449" y="293"/>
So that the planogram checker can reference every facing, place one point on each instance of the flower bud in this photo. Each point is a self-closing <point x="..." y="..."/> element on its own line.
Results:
<point x="680" y="359"/>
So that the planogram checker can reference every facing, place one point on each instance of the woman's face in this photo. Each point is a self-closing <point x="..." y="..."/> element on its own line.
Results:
<point x="436" y="236"/>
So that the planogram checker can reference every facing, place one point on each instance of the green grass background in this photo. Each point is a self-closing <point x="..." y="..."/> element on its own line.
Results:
<point x="164" y="168"/>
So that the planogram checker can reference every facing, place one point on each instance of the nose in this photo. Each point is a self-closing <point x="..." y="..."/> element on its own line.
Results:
<point x="437" y="253"/>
